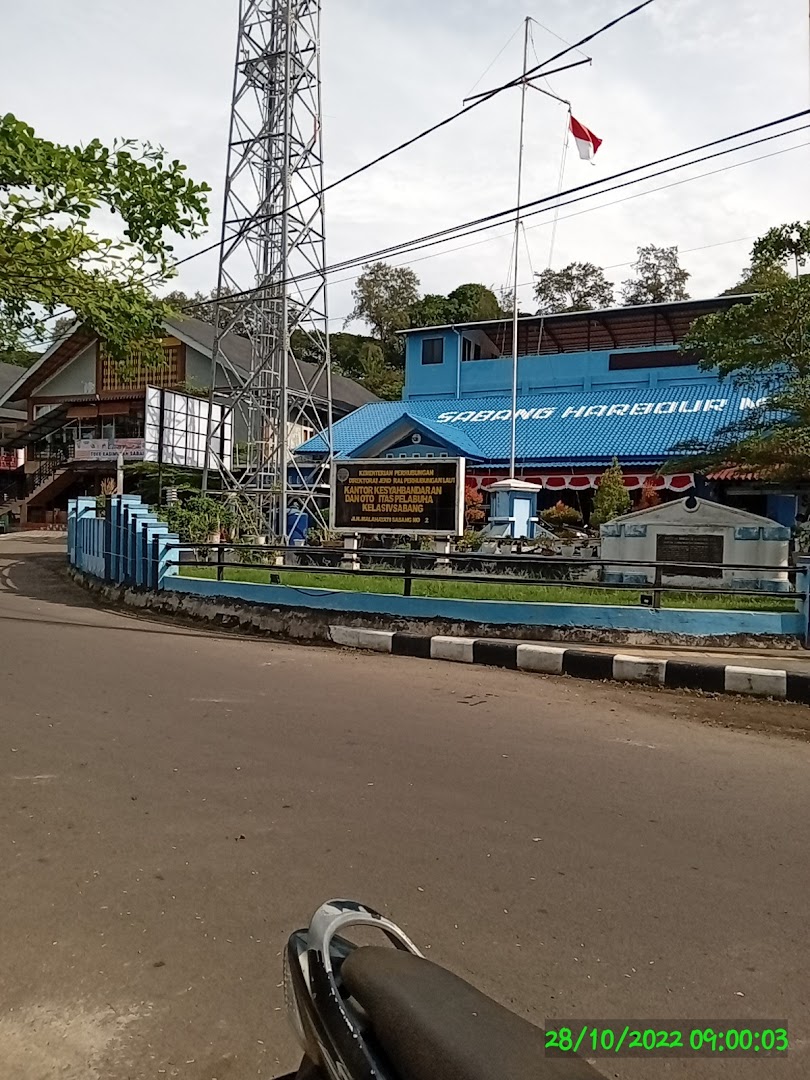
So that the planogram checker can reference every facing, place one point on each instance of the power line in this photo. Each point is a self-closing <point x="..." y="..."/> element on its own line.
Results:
<point x="575" y="47"/>
<point x="543" y="202"/>
<point x="415" y="245"/>
<point x="578" y="213"/>
<point x="480" y="100"/>
<point x="541" y="205"/>
<point x="605" y="206"/>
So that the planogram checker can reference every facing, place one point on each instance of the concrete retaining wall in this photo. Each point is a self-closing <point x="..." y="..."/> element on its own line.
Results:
<point x="220" y="604"/>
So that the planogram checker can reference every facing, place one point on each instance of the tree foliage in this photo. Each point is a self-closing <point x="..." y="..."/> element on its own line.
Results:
<point x="580" y="286"/>
<point x="758" y="278"/>
<point x="377" y="376"/>
<point x="466" y="304"/>
<point x="52" y="258"/>
<point x="474" y="303"/>
<point x="763" y="345"/>
<point x="561" y="516"/>
<point x="23" y="358"/>
<point x="474" y="513"/>
<point x="658" y="277"/>
<point x="383" y="297"/>
<point x="197" y="518"/>
<point x="612" y="499"/>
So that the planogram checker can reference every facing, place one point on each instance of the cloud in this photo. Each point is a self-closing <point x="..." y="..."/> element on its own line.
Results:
<point x="679" y="73"/>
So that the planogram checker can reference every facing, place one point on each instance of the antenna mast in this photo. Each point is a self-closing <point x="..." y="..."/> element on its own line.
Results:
<point x="272" y="262"/>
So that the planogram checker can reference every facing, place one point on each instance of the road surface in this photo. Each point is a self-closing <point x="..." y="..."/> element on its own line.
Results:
<point x="175" y="801"/>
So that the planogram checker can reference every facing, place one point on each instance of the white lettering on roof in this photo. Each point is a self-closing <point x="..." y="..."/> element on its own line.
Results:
<point x="585" y="412"/>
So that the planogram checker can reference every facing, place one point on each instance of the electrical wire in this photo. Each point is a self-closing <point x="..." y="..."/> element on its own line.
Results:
<point x="487" y="96"/>
<point x="594" y="209"/>
<point x="492" y="64"/>
<point x="541" y="205"/>
<point x="410" y="142"/>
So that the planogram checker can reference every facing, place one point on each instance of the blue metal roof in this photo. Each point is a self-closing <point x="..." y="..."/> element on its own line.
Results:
<point x="639" y="424"/>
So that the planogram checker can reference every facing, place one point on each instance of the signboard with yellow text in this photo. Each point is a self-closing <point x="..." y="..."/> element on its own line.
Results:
<point x="420" y="496"/>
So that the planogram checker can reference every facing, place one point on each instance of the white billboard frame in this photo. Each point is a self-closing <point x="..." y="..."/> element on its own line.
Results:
<point x="176" y="429"/>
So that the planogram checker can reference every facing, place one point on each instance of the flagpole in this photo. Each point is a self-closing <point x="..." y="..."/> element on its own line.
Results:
<point x="516" y="268"/>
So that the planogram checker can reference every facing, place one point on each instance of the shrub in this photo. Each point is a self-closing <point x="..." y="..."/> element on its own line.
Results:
<point x="561" y="516"/>
<point x="612" y="498"/>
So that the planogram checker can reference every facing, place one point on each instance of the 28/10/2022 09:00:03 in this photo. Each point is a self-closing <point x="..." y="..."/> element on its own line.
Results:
<point x="666" y="1038"/>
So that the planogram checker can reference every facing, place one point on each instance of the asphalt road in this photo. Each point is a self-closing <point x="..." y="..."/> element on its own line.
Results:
<point x="174" y="802"/>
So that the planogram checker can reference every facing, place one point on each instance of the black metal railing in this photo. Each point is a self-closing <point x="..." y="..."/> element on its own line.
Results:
<point x="475" y="569"/>
<point x="55" y="461"/>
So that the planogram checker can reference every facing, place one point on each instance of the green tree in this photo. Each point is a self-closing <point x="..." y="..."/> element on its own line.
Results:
<point x="474" y="303"/>
<point x="659" y="277"/>
<point x="763" y="345"/>
<point x="468" y="303"/>
<point x="23" y="358"/>
<point x="204" y="306"/>
<point x="346" y="350"/>
<point x="383" y="296"/>
<point x="50" y="256"/>
<point x="757" y="279"/>
<point x="612" y="499"/>
<point x="576" y="287"/>
<point x="432" y="310"/>
<point x="377" y="376"/>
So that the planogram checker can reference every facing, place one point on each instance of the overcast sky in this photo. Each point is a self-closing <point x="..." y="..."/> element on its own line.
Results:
<point x="679" y="73"/>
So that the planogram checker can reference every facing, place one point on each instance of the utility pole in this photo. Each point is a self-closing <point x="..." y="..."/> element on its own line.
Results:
<point x="272" y="277"/>
<point x="516" y="268"/>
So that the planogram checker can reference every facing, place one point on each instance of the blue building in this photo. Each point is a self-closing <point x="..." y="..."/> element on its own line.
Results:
<point x="592" y="386"/>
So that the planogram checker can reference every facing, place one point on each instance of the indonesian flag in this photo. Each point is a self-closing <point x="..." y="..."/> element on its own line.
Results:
<point x="587" y="142"/>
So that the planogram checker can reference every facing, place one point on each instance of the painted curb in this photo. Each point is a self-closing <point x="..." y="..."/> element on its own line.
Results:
<point x="674" y="674"/>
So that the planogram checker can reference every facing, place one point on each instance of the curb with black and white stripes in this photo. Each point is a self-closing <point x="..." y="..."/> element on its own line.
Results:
<point x="583" y="663"/>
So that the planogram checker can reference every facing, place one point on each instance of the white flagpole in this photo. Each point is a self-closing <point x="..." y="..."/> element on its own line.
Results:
<point x="516" y="268"/>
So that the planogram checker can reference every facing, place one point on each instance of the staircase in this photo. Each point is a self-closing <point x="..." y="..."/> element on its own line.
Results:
<point x="51" y="478"/>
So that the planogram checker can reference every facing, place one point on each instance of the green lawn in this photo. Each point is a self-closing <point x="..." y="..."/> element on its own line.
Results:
<point x="462" y="590"/>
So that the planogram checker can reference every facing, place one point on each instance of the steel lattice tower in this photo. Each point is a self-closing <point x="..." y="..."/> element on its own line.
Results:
<point x="272" y="280"/>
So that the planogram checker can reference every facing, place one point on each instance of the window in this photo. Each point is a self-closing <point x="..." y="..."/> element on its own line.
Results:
<point x="470" y="350"/>
<point x="433" y="350"/>
<point x="650" y="358"/>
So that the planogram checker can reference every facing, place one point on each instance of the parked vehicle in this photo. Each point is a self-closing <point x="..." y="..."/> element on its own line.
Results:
<point x="368" y="1012"/>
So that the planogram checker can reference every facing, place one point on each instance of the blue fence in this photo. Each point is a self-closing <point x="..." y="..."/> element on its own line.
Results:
<point x="127" y="546"/>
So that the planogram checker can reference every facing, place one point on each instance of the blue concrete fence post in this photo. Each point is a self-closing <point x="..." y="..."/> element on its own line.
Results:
<point x="803" y="587"/>
<point x="118" y="534"/>
<point x="168" y="557"/>
<point x="71" y="531"/>
<point x="85" y="511"/>
<point x="139" y="517"/>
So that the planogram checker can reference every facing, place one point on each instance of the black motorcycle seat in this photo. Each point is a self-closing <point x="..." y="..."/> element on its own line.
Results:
<point x="432" y="1025"/>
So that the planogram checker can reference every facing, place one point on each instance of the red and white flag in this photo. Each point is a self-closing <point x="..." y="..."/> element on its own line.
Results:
<point x="587" y="142"/>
